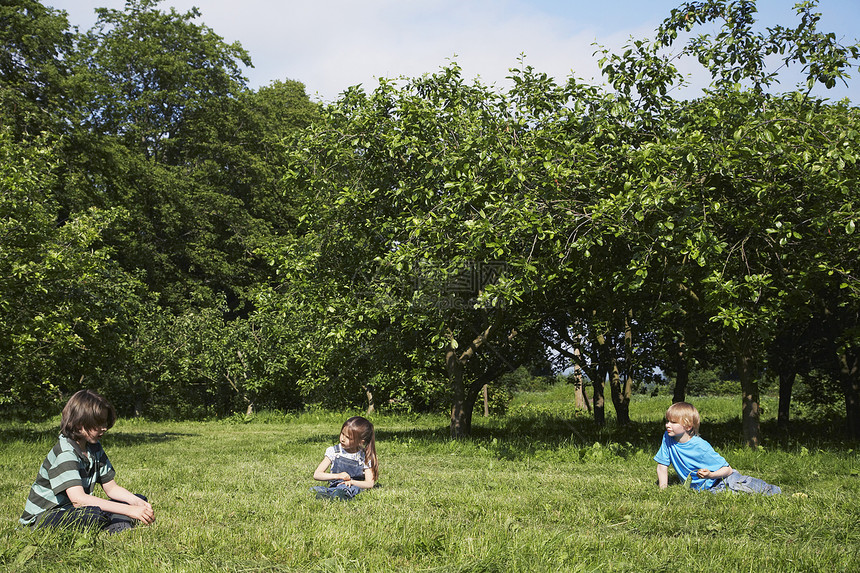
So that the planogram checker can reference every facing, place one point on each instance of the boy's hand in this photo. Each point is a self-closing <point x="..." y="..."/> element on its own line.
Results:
<point x="703" y="473"/>
<point x="142" y="513"/>
<point x="138" y="501"/>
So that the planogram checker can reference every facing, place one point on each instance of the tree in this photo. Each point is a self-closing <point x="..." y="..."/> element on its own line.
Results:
<point x="413" y="191"/>
<point x="35" y="42"/>
<point x="65" y="308"/>
<point x="158" y="106"/>
<point x="720" y="190"/>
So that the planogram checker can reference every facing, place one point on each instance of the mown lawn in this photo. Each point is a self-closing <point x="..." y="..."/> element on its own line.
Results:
<point x="540" y="489"/>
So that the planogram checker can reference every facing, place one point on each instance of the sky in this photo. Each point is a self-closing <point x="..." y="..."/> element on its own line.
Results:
<point x="330" y="45"/>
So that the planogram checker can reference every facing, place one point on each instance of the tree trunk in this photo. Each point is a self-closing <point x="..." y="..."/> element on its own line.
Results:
<point x="599" y="403"/>
<point x="751" y="413"/>
<point x="249" y="411"/>
<point x="486" y="394"/>
<point x="600" y="380"/>
<point x="787" y="376"/>
<point x="460" y="426"/>
<point x="622" y="384"/>
<point x="472" y="393"/>
<point x="582" y="402"/>
<point x="461" y="404"/>
<point x="620" y="396"/>
<point x="849" y="374"/>
<point x="371" y="404"/>
<point x="682" y="373"/>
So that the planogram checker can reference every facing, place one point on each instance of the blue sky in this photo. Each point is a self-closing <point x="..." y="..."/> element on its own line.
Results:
<point x="330" y="45"/>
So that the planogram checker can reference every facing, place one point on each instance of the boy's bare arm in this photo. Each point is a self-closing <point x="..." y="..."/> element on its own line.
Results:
<point x="118" y="493"/>
<point x="80" y="498"/>
<point x="662" y="476"/>
<point x="724" y="471"/>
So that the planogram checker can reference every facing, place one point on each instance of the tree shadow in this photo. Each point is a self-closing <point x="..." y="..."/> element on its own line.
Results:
<point x="28" y="435"/>
<point x="136" y="439"/>
<point x="521" y="436"/>
<point x="33" y="435"/>
<point x="440" y="434"/>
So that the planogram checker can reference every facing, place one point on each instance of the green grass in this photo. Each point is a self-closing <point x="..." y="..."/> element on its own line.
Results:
<point x="541" y="489"/>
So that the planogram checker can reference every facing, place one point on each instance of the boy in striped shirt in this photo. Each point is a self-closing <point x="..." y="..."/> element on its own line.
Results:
<point x="62" y="492"/>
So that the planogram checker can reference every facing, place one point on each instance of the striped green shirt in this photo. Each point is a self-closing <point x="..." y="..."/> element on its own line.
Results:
<point x="65" y="466"/>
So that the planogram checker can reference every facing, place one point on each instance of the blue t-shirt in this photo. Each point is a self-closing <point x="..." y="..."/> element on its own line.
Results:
<point x="687" y="458"/>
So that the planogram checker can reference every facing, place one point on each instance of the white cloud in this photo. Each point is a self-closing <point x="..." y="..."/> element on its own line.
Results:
<point x="332" y="44"/>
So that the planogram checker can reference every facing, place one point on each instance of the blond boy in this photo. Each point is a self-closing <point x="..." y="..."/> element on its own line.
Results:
<point x="692" y="457"/>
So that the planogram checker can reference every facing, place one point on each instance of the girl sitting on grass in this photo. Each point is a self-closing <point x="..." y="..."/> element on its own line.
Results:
<point x="62" y="492"/>
<point x="353" y="462"/>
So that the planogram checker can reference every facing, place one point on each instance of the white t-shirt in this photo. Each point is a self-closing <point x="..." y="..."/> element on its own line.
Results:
<point x="337" y="451"/>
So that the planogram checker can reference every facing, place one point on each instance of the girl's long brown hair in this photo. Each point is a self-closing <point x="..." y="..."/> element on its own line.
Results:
<point x="86" y="410"/>
<point x="361" y="429"/>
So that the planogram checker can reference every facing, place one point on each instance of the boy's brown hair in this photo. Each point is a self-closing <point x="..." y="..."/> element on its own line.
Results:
<point x="86" y="410"/>
<point x="685" y="414"/>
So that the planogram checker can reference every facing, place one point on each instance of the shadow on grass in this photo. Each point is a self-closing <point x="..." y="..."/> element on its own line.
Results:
<point x="440" y="434"/>
<point x="31" y="435"/>
<point x="516" y="437"/>
<point x="28" y="434"/>
<point x="126" y="439"/>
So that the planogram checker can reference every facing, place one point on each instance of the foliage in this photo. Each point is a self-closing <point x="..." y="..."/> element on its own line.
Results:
<point x="65" y="307"/>
<point x="817" y="397"/>
<point x="225" y="249"/>
<point x="35" y="42"/>
<point x="711" y="383"/>
<point x="151" y="75"/>
<point x="154" y="95"/>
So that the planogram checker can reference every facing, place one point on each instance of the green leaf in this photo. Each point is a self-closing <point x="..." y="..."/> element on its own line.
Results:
<point x="23" y="556"/>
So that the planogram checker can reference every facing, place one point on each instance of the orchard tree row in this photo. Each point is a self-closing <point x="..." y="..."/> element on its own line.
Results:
<point x="191" y="246"/>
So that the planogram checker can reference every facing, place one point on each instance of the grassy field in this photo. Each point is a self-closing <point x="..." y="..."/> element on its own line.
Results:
<point x="538" y="490"/>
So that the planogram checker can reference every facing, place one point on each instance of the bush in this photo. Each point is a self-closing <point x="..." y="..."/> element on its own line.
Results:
<point x="521" y="380"/>
<point x="817" y="396"/>
<point x="499" y="398"/>
<point x="707" y="382"/>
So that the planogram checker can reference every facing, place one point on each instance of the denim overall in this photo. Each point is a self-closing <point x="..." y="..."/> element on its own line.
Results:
<point x="336" y="487"/>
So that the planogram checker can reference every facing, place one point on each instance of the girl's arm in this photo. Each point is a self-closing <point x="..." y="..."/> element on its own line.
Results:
<point x="367" y="483"/>
<point x="320" y="474"/>
<point x="662" y="476"/>
<point x="724" y="471"/>
<point x="80" y="498"/>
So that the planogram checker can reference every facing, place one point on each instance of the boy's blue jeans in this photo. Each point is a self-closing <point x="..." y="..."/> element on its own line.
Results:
<point x="745" y="484"/>
<point x="84" y="517"/>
